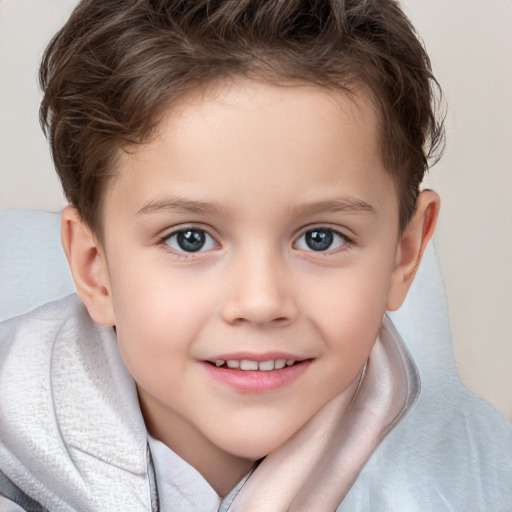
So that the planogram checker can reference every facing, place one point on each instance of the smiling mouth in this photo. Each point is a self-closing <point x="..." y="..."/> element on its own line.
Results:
<point x="246" y="375"/>
<point x="250" y="365"/>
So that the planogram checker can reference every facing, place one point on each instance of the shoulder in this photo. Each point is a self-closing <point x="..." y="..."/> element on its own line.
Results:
<point x="41" y="352"/>
<point x="27" y="341"/>
<point x="41" y="325"/>
<point x="30" y="347"/>
<point x="58" y="371"/>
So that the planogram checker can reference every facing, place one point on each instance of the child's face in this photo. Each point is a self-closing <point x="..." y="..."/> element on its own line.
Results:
<point x="259" y="226"/>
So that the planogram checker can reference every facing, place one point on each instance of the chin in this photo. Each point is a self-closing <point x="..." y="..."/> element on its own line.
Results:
<point x="256" y="443"/>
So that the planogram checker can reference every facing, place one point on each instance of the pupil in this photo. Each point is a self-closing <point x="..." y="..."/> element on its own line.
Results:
<point x="191" y="241"/>
<point x="319" y="240"/>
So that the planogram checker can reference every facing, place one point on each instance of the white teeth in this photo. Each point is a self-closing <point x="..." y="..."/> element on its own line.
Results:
<point x="280" y="363"/>
<point x="245" y="364"/>
<point x="266" y="365"/>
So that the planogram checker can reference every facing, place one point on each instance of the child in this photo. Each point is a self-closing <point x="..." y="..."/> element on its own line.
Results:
<point x="243" y="179"/>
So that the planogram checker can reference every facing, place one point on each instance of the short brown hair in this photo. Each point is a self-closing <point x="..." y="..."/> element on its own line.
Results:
<point x="113" y="68"/>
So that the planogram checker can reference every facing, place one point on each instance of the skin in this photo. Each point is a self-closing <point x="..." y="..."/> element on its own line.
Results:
<point x="255" y="167"/>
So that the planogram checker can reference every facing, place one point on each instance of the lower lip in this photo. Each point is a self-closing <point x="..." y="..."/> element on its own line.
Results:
<point x="257" y="381"/>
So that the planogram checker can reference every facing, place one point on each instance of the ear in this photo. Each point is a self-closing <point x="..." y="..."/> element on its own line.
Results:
<point x="411" y="246"/>
<point x="88" y="266"/>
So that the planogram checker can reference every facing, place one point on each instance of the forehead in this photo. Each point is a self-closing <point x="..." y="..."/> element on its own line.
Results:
<point x="251" y="137"/>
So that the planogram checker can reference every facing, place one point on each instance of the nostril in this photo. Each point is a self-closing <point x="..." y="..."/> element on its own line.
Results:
<point x="282" y="320"/>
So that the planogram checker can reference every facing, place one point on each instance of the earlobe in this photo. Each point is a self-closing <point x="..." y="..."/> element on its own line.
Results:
<point x="88" y="266"/>
<point x="413" y="242"/>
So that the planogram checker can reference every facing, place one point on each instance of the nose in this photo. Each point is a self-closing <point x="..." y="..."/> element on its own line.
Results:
<point x="259" y="292"/>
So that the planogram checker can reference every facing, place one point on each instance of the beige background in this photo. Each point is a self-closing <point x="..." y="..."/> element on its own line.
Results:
<point x="470" y="43"/>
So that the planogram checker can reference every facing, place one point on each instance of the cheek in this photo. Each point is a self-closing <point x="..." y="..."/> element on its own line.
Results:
<point x="162" y="322"/>
<point x="156" y="344"/>
<point x="350" y="295"/>
<point x="159" y="316"/>
<point x="348" y="309"/>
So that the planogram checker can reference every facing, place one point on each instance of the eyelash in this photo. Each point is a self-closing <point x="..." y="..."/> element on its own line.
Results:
<point x="332" y="234"/>
<point x="164" y="241"/>
<point x="346" y="241"/>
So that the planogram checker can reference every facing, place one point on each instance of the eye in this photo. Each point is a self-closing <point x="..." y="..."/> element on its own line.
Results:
<point x="321" y="239"/>
<point x="190" y="240"/>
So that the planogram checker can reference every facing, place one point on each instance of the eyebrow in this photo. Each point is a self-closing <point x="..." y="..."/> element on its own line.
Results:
<point x="179" y="205"/>
<point x="345" y="205"/>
